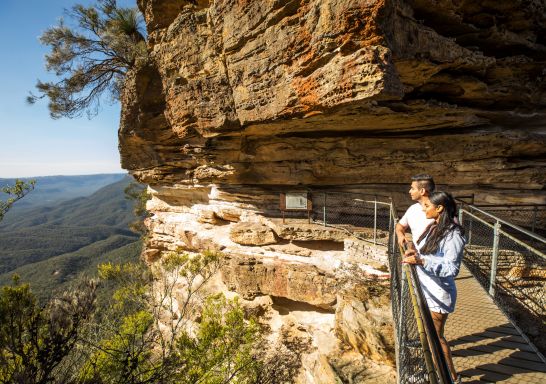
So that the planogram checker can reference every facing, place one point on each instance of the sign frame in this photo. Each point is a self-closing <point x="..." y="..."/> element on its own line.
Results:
<point x="296" y="201"/>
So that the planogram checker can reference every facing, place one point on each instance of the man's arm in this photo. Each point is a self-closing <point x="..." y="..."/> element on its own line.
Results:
<point x="401" y="234"/>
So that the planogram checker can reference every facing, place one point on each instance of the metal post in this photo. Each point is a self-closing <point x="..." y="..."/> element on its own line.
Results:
<point x="324" y="210"/>
<point x="393" y="229"/>
<point x="496" y="230"/>
<point x="470" y="221"/>
<point x="374" y="220"/>
<point x="400" y="336"/>
<point x="391" y="232"/>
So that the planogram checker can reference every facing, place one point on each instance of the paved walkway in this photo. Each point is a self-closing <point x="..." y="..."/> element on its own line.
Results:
<point x="486" y="347"/>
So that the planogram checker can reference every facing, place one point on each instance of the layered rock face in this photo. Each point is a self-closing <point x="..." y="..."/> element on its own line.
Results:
<point x="242" y="100"/>
<point x="341" y="92"/>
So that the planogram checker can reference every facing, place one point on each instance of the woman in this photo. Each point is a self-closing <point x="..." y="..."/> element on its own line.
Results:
<point x="438" y="256"/>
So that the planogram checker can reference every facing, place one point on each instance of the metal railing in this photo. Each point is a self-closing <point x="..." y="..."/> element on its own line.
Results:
<point x="356" y="213"/>
<point x="509" y="261"/>
<point x="529" y="216"/>
<point x="366" y="217"/>
<point x="419" y="357"/>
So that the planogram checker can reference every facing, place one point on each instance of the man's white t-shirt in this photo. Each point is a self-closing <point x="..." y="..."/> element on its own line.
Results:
<point x="416" y="219"/>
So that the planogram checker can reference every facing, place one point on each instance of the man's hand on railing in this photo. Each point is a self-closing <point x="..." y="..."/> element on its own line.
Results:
<point x="412" y="257"/>
<point x="402" y="242"/>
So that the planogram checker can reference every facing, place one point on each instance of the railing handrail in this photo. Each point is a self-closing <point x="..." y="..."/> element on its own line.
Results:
<point x="409" y="292"/>
<point x="498" y="219"/>
<point x="423" y="313"/>
<point x="504" y="233"/>
<point x="508" y="205"/>
<point x="373" y="201"/>
<point x="333" y="191"/>
<point x="432" y="336"/>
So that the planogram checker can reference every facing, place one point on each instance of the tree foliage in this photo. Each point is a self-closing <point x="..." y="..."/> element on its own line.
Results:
<point x="34" y="340"/>
<point x="164" y="334"/>
<point x="91" y="57"/>
<point x="156" y="328"/>
<point x="16" y="192"/>
<point x="160" y="325"/>
<point x="222" y="349"/>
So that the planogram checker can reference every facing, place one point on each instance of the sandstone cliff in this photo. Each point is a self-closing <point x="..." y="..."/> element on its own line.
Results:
<point x="341" y="92"/>
<point x="241" y="100"/>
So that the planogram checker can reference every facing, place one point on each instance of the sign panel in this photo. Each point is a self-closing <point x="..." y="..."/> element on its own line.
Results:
<point x="296" y="200"/>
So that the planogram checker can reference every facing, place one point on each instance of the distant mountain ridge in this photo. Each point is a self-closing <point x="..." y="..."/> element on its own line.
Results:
<point x="106" y="206"/>
<point x="49" y="245"/>
<point x="51" y="190"/>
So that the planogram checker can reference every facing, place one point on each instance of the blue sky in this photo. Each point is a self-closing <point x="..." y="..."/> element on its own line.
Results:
<point x="33" y="144"/>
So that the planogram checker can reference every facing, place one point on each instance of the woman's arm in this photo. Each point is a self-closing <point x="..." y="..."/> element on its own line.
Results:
<point x="450" y="263"/>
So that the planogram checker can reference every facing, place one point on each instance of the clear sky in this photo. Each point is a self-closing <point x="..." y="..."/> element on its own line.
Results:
<point x="33" y="144"/>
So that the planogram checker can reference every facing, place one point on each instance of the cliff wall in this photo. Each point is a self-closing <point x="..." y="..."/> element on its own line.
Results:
<point x="341" y="92"/>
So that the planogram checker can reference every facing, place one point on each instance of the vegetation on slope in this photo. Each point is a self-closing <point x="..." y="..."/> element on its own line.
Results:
<point x="58" y="273"/>
<point x="132" y="325"/>
<point x="49" y="245"/>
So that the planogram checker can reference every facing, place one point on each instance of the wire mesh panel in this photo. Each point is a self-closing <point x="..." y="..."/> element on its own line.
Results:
<point x="520" y="287"/>
<point x="410" y="355"/>
<point x="411" y="364"/>
<point x="521" y="223"/>
<point x="530" y="217"/>
<point x="372" y="219"/>
<point x="510" y="264"/>
<point x="479" y="247"/>
<point x="366" y="217"/>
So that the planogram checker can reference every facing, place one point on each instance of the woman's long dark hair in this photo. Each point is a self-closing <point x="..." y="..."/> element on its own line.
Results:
<point x="446" y="222"/>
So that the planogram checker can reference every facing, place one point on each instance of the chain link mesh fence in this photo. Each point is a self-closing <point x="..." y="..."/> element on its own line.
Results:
<point x="411" y="362"/>
<point x="365" y="217"/>
<point x="530" y="217"/>
<point x="509" y="262"/>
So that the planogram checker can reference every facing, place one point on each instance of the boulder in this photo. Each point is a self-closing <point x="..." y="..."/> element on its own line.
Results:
<point x="301" y="282"/>
<point x="245" y="233"/>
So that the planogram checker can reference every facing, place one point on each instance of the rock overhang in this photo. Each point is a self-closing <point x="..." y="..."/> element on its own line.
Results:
<point x="277" y="92"/>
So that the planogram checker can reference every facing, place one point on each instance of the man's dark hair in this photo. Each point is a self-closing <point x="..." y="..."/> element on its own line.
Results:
<point x="425" y="181"/>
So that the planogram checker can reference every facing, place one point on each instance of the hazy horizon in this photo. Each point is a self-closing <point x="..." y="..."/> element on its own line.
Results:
<point x="122" y="172"/>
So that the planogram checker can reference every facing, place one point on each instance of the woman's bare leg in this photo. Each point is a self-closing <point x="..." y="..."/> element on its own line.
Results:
<point x="439" y="320"/>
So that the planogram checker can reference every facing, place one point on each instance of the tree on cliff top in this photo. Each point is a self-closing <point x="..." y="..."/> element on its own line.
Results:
<point x="90" y="58"/>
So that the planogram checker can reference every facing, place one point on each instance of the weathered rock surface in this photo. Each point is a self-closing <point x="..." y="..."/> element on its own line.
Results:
<point x="341" y="92"/>
<point x="300" y="282"/>
<point x="308" y="232"/>
<point x="251" y="234"/>
<point x="242" y="100"/>
<point x="363" y="323"/>
<point x="297" y="288"/>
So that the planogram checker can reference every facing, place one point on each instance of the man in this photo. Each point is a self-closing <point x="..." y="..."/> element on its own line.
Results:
<point x="422" y="186"/>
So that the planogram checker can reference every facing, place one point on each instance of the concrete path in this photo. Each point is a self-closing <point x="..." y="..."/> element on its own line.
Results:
<point x="486" y="347"/>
